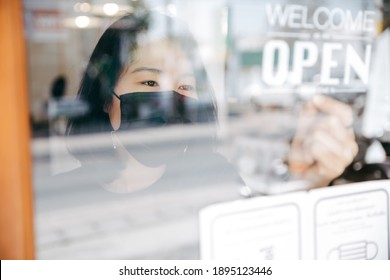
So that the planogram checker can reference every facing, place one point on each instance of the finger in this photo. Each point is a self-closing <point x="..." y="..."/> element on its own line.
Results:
<point x="326" y="173"/>
<point x="327" y="151"/>
<point x="333" y="107"/>
<point x="333" y="127"/>
<point x="327" y="163"/>
<point x="307" y="117"/>
<point x="299" y="159"/>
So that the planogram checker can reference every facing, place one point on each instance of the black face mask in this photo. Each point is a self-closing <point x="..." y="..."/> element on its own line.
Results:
<point x="156" y="110"/>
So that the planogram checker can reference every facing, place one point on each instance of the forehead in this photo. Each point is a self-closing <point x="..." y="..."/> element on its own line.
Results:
<point x="162" y="54"/>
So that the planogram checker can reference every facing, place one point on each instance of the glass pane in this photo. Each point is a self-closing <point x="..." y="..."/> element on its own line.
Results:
<point x="125" y="126"/>
<point x="144" y="112"/>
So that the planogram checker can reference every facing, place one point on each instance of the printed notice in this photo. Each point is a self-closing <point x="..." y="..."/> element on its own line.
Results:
<point x="233" y="230"/>
<point x="343" y="222"/>
<point x="358" y="224"/>
<point x="276" y="226"/>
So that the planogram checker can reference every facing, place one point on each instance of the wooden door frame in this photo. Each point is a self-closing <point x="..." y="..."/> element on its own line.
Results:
<point x="16" y="200"/>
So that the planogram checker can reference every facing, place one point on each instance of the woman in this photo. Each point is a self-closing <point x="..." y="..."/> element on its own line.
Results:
<point x="145" y="73"/>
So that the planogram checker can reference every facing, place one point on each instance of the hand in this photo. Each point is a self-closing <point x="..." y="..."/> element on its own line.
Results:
<point x="324" y="144"/>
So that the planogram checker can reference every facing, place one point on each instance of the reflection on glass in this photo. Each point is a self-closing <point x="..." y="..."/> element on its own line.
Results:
<point x="140" y="142"/>
<point x="145" y="119"/>
<point x="144" y="73"/>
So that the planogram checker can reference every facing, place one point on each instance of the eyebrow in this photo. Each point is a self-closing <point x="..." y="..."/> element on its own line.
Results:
<point x="158" y="71"/>
<point x="140" y="69"/>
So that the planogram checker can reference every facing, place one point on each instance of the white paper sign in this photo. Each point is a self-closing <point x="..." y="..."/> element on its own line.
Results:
<point x="343" y="222"/>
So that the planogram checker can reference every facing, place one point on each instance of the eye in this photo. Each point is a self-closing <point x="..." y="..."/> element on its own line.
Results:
<point x="187" y="87"/>
<point x="150" y="83"/>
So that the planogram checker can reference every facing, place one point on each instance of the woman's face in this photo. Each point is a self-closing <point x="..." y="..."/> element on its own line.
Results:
<point x="157" y="66"/>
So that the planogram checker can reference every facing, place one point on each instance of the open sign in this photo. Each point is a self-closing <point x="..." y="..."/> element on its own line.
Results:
<point x="306" y="54"/>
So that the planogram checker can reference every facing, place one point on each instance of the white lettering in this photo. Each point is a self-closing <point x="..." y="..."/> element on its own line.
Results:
<point x="328" y="63"/>
<point x="297" y="17"/>
<point x="337" y="15"/>
<point x="299" y="60"/>
<point x="316" y="18"/>
<point x="352" y="24"/>
<point x="353" y="61"/>
<point x="305" y="23"/>
<point x="305" y="54"/>
<point x="276" y="15"/>
<point x="368" y="21"/>
<point x="275" y="74"/>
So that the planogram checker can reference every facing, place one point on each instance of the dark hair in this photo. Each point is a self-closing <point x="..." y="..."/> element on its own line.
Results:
<point x="109" y="59"/>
